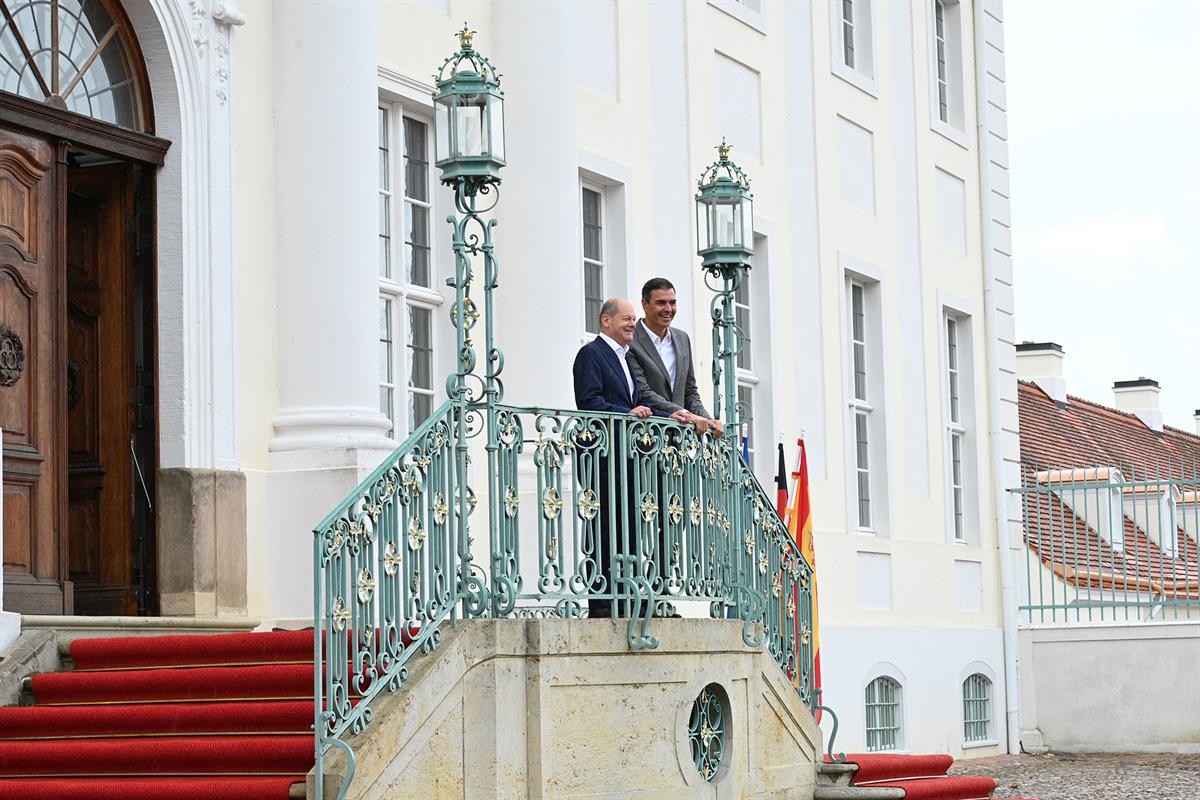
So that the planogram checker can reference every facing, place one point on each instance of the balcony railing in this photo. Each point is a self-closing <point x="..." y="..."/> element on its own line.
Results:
<point x="576" y="507"/>
<point x="1104" y="547"/>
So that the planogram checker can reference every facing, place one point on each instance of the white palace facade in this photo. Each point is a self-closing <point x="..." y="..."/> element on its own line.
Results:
<point x="284" y="319"/>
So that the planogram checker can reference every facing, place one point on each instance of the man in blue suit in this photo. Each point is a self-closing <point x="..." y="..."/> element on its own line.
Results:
<point x="604" y="382"/>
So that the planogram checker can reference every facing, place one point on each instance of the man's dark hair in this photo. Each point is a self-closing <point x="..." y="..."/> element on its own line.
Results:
<point x="653" y="285"/>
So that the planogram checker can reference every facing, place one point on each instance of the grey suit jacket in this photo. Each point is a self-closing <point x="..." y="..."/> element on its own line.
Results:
<point x="654" y="382"/>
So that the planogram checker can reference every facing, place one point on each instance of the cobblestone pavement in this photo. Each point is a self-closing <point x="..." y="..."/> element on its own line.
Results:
<point x="1064" y="776"/>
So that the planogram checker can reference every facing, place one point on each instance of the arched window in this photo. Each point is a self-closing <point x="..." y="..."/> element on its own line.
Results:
<point x="977" y="708"/>
<point x="77" y="55"/>
<point x="883" y="714"/>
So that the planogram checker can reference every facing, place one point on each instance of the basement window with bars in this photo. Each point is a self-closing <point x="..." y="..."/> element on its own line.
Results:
<point x="977" y="708"/>
<point x="883" y="714"/>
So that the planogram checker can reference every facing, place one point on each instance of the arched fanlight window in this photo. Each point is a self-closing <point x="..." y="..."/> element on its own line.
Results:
<point x="76" y="55"/>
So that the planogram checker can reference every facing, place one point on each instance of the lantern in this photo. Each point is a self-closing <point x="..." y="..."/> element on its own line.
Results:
<point x="724" y="215"/>
<point x="468" y="117"/>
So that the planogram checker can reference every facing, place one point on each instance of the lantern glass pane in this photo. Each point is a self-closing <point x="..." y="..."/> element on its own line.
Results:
<point x="496" y="126"/>
<point x="748" y="224"/>
<point x="441" y="128"/>
<point x="724" y="224"/>
<point x="469" y="125"/>
<point x="701" y="225"/>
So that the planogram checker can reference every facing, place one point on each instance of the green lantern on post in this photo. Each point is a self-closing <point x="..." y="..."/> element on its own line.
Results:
<point x="724" y="215"/>
<point x="468" y="118"/>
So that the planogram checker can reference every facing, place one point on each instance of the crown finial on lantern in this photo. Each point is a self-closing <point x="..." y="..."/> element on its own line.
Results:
<point x="723" y="149"/>
<point x="465" y="36"/>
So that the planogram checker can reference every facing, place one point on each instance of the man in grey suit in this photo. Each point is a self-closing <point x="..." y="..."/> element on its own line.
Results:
<point x="662" y="360"/>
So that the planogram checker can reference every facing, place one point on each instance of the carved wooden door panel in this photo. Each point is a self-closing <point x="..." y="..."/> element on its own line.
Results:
<point x="31" y="391"/>
<point x="99" y="374"/>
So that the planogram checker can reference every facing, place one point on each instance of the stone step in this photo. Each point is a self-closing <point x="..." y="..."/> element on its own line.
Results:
<point x="857" y="793"/>
<point x="69" y="628"/>
<point x="835" y="774"/>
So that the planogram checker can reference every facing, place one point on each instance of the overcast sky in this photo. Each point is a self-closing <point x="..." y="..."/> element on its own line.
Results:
<point x="1104" y="122"/>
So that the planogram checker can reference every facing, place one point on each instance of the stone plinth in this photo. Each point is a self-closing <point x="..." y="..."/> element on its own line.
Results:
<point x="562" y="709"/>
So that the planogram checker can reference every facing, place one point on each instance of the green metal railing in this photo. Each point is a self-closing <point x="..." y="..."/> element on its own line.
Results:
<point x="1108" y="544"/>
<point x="395" y="561"/>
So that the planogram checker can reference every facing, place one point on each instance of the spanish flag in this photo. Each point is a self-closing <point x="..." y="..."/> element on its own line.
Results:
<point x="800" y="526"/>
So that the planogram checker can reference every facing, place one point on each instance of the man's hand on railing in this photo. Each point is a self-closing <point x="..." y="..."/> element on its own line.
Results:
<point x="641" y="412"/>
<point x="718" y="427"/>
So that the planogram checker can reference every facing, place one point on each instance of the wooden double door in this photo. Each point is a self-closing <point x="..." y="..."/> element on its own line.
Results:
<point x="76" y="384"/>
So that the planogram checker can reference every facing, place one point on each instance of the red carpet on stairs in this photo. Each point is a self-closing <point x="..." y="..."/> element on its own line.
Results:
<point x="922" y="777"/>
<point x="212" y="717"/>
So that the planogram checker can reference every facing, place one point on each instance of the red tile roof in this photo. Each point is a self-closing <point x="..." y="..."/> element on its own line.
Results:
<point x="1086" y="435"/>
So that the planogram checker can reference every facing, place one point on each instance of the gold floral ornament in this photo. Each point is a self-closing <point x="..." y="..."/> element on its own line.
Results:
<point x="551" y="503"/>
<point x="763" y="563"/>
<point x="471" y="500"/>
<point x="585" y="435"/>
<point x="712" y="512"/>
<point x="368" y="634"/>
<point x="675" y="509"/>
<point x="552" y="547"/>
<point x="388" y="489"/>
<point x="649" y="507"/>
<point x="416" y="534"/>
<point x="646" y="439"/>
<point x="511" y="502"/>
<point x="366" y="586"/>
<point x="391" y="560"/>
<point x="550" y="452"/>
<point x="749" y="540"/>
<point x="805" y="633"/>
<point x="440" y="509"/>
<point x="340" y="614"/>
<point x="589" y="506"/>
<point x="696" y="511"/>
<point x="411" y="481"/>
<point x="791" y="606"/>
<point x="777" y="585"/>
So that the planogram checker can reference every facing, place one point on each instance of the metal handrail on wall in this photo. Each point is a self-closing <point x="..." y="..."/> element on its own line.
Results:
<point x="1104" y="547"/>
<point x="645" y="514"/>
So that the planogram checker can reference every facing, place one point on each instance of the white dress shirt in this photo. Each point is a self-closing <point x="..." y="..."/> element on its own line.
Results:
<point x="665" y="347"/>
<point x="621" y="351"/>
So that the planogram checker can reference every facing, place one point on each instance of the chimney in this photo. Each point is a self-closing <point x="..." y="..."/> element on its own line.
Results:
<point x="1196" y="417"/>
<point x="1042" y="363"/>
<point x="1140" y="398"/>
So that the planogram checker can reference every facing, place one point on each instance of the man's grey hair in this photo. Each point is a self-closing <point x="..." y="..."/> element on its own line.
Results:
<point x="610" y="307"/>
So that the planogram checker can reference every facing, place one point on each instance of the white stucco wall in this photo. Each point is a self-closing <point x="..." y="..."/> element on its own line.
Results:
<point x="1111" y="688"/>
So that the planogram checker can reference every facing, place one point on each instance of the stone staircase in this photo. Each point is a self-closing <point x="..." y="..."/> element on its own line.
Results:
<point x="884" y="776"/>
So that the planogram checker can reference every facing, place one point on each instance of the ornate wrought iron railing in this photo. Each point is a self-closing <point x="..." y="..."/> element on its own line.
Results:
<point x="688" y="529"/>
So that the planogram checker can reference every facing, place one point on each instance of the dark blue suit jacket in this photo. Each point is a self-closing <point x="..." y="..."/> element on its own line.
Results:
<point x="600" y="383"/>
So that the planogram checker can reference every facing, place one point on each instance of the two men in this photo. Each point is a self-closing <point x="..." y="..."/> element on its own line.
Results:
<point x="604" y="382"/>
<point x="617" y="373"/>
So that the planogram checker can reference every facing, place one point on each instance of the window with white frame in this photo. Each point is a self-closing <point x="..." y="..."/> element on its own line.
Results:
<point x="852" y="39"/>
<point x="747" y="378"/>
<point x="860" y="404"/>
<point x="961" y="475"/>
<point x="977" y="708"/>
<point x="592" y="205"/>
<point x="407" y="298"/>
<point x="956" y="431"/>
<point x="946" y="59"/>
<point x="883" y="697"/>
<point x="752" y="314"/>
